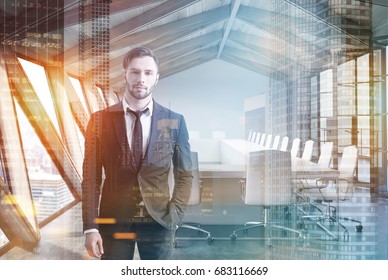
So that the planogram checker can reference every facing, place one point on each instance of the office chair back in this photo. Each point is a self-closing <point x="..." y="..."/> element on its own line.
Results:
<point x="276" y="141"/>
<point x="348" y="163"/>
<point x="295" y="147"/>
<point x="284" y="145"/>
<point x="250" y="136"/>
<point x="262" y="139"/>
<point x="268" y="141"/>
<point x="344" y="184"/>
<point x="308" y="150"/>
<point x="326" y="154"/>
<point x="268" y="180"/>
<point x="347" y="169"/>
<point x="257" y="140"/>
<point x="253" y="137"/>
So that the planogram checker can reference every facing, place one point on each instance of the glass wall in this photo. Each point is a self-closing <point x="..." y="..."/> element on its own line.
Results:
<point x="52" y="176"/>
<point x="44" y="113"/>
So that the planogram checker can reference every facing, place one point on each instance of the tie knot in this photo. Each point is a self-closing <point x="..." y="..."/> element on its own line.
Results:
<point x="137" y="114"/>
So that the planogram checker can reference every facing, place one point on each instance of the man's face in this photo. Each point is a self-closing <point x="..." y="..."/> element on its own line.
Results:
<point x="141" y="76"/>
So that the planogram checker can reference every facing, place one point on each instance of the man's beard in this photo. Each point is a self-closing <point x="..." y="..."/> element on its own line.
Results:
<point x="140" y="94"/>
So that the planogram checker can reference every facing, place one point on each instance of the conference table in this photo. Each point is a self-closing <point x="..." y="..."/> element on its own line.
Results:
<point x="224" y="162"/>
<point x="304" y="169"/>
<point x="301" y="169"/>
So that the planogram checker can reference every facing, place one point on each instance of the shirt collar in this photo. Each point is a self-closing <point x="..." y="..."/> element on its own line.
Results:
<point x="150" y="106"/>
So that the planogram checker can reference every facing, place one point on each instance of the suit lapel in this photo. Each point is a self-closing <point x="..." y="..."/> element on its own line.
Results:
<point x="116" y="115"/>
<point x="157" y="114"/>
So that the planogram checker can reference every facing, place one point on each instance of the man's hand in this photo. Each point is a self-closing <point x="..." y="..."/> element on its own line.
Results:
<point x="93" y="244"/>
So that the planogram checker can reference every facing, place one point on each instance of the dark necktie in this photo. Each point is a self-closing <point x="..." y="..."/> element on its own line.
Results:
<point x="137" y="137"/>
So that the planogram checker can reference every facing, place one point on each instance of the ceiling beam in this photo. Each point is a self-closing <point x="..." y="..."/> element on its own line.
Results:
<point x="239" y="57"/>
<point x="249" y="55"/>
<point x="263" y="70"/>
<point x="232" y="17"/>
<point x="70" y="16"/>
<point x="181" y="54"/>
<point x="29" y="21"/>
<point x="161" y="11"/>
<point x="256" y="43"/>
<point x="166" y="33"/>
<point x="263" y="20"/>
<point x="189" y="61"/>
<point x="176" y="50"/>
<point x="117" y="6"/>
<point x="256" y="56"/>
<point x="73" y="53"/>
<point x="265" y="45"/>
<point x="160" y="35"/>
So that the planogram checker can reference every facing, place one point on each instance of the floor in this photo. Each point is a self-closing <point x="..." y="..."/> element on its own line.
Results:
<point x="63" y="239"/>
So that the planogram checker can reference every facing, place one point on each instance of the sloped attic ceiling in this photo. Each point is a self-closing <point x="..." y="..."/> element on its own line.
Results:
<point x="183" y="34"/>
<point x="186" y="33"/>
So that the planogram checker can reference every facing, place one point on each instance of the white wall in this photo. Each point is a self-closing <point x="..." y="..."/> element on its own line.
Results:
<point x="211" y="96"/>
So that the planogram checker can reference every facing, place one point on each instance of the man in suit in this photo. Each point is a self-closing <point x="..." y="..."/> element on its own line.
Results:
<point x="124" y="199"/>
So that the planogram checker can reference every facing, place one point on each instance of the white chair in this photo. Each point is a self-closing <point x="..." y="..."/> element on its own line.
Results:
<point x="250" y="136"/>
<point x="276" y="141"/>
<point x="262" y="140"/>
<point x="347" y="167"/>
<point x="308" y="150"/>
<point x="324" y="160"/>
<point x="253" y="137"/>
<point x="295" y="147"/>
<point x="268" y="141"/>
<point x="324" y="192"/>
<point x="257" y="140"/>
<point x="326" y="154"/>
<point x="267" y="184"/>
<point x="284" y="144"/>
<point x="195" y="199"/>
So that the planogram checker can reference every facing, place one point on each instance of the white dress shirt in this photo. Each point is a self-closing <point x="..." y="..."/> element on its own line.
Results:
<point x="145" y="120"/>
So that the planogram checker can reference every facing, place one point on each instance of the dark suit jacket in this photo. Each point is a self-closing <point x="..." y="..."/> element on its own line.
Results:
<point x="107" y="154"/>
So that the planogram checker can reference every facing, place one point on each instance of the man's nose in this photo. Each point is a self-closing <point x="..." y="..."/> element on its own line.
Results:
<point x="141" y="77"/>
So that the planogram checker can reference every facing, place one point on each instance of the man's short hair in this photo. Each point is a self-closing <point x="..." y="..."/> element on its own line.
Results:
<point x="139" y="52"/>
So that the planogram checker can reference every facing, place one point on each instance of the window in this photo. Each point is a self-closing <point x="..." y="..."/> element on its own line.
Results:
<point x="49" y="191"/>
<point x="78" y="89"/>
